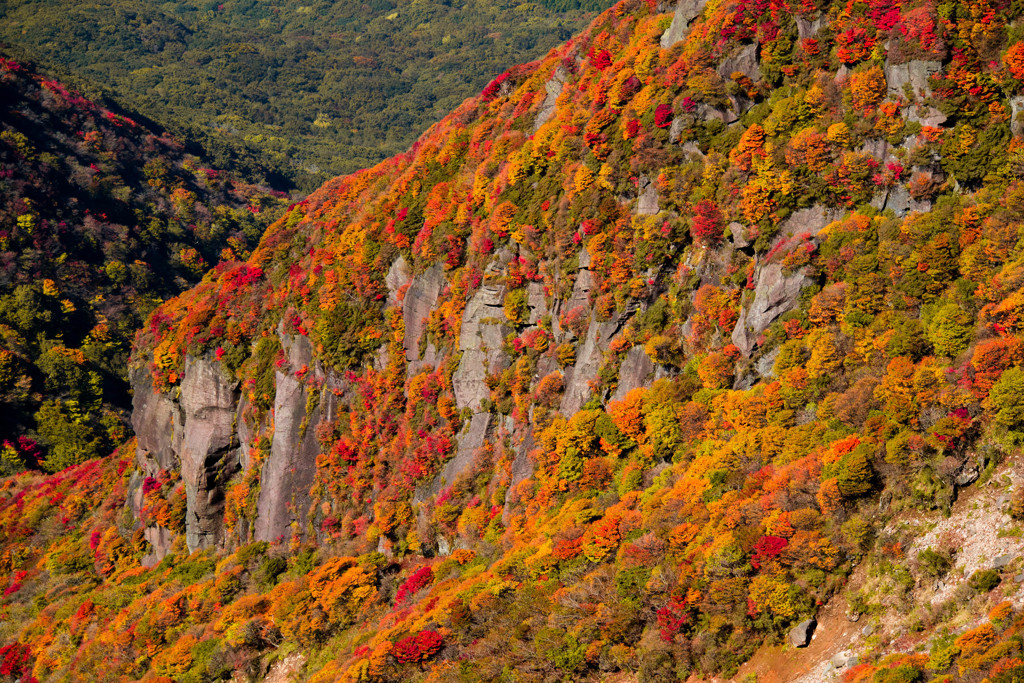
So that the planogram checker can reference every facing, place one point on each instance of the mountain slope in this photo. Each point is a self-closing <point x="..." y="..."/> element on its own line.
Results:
<point x="101" y="218"/>
<point x="626" y="369"/>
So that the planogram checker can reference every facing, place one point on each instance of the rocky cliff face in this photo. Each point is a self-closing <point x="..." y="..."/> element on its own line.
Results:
<point x="589" y="225"/>
<point x="203" y="431"/>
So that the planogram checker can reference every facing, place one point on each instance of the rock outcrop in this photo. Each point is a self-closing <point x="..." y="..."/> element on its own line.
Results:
<point x="419" y="300"/>
<point x="291" y="465"/>
<point x="635" y="372"/>
<point x="914" y="73"/>
<point x="647" y="202"/>
<point x="209" y="447"/>
<point x="480" y="341"/>
<point x="202" y="430"/>
<point x="588" y="362"/>
<point x="156" y="419"/>
<point x="469" y="440"/>
<point x="686" y="12"/>
<point x="553" y="87"/>
<point x="775" y="293"/>
<point x="742" y="61"/>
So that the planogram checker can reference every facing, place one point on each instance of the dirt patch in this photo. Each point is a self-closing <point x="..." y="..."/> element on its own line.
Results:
<point x="782" y="663"/>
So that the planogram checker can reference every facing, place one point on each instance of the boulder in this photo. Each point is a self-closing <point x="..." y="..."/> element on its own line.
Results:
<point x="807" y="28"/>
<point x="675" y="130"/>
<point x="925" y="115"/>
<point x="840" y="659"/>
<point x="968" y="474"/>
<point x="743" y="61"/>
<point x="686" y="12"/>
<point x="810" y="220"/>
<point x="724" y="114"/>
<point x="738" y="233"/>
<point x="647" y="203"/>
<point x="1002" y="561"/>
<point x="800" y="635"/>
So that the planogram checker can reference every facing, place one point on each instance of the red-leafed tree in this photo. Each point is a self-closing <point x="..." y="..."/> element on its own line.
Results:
<point x="707" y="223"/>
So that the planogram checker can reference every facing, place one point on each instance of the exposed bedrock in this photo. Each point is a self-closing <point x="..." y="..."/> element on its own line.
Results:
<point x="686" y="12"/>
<point x="209" y="447"/>
<point x="775" y="294"/>
<point x="156" y="420"/>
<point x="291" y="465"/>
<point x="549" y="106"/>
<point x="636" y="371"/>
<point x="203" y="430"/>
<point x="419" y="301"/>
<point x="480" y="340"/>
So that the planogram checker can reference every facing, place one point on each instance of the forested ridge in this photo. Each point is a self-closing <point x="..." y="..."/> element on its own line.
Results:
<point x="292" y="94"/>
<point x="703" y="326"/>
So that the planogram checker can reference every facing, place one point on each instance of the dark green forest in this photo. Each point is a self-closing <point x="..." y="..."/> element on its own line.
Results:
<point x="290" y="94"/>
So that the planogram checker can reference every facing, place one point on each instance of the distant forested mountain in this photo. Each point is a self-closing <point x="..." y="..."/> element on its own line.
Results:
<point x="101" y="218"/>
<point x="309" y="89"/>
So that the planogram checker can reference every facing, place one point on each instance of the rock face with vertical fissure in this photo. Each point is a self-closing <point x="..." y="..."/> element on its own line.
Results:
<point x="419" y="301"/>
<point x="209" y="447"/>
<point x="289" y="469"/>
<point x="202" y="430"/>
<point x="775" y="293"/>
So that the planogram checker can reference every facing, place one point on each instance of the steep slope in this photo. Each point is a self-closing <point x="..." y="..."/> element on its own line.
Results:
<point x="101" y="218"/>
<point x="292" y="93"/>
<point x="626" y="369"/>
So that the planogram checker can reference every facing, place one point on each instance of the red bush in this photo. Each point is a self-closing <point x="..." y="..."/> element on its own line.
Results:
<point x="418" y="648"/>
<point x="767" y="548"/>
<point x="420" y="579"/>
<point x="14" y="660"/>
<point x="663" y="116"/>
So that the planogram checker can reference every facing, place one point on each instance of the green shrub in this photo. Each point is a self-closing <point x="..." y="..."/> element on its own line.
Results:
<point x="984" y="580"/>
<point x="270" y="569"/>
<point x="904" y="673"/>
<point x="1007" y="398"/>
<point x="190" y="572"/>
<point x="933" y="563"/>
<point x="251" y="551"/>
